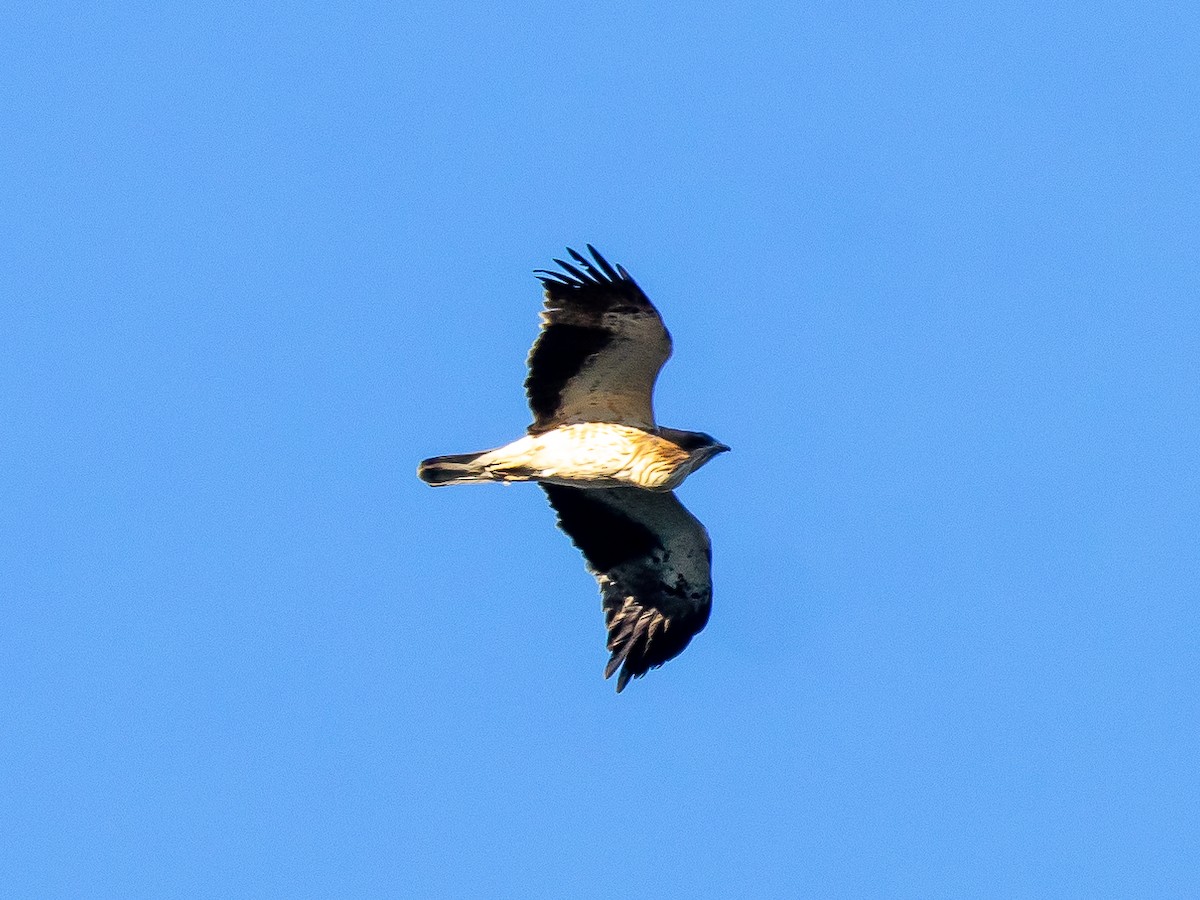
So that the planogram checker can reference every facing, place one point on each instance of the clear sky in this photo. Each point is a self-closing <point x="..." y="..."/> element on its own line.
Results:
<point x="932" y="270"/>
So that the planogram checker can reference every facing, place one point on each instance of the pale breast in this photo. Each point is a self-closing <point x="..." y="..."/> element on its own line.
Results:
<point x="605" y="454"/>
<point x="584" y="451"/>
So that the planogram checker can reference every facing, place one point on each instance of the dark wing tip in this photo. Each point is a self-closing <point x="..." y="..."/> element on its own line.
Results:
<point x="592" y="274"/>
<point x="603" y="263"/>
<point x="642" y="638"/>
<point x="552" y="279"/>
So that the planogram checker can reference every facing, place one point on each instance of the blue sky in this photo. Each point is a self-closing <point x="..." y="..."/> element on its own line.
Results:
<point x="931" y="270"/>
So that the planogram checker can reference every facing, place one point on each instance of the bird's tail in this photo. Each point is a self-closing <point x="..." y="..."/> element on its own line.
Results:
<point x="460" y="468"/>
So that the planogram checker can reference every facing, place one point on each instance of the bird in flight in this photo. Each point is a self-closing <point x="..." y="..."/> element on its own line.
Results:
<point x="608" y="469"/>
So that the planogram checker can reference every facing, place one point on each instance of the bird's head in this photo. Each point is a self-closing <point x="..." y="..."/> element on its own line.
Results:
<point x="700" y="447"/>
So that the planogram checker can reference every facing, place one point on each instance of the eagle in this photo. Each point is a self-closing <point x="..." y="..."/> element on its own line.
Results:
<point x="607" y="468"/>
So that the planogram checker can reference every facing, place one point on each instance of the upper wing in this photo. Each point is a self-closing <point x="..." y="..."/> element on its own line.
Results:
<point x="600" y="349"/>
<point x="653" y="561"/>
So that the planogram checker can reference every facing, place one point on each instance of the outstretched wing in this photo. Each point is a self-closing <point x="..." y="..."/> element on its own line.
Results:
<point x="653" y="561"/>
<point x="600" y="349"/>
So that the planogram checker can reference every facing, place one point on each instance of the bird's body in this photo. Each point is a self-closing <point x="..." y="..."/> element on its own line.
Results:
<point x="607" y="468"/>
<point x="588" y="454"/>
